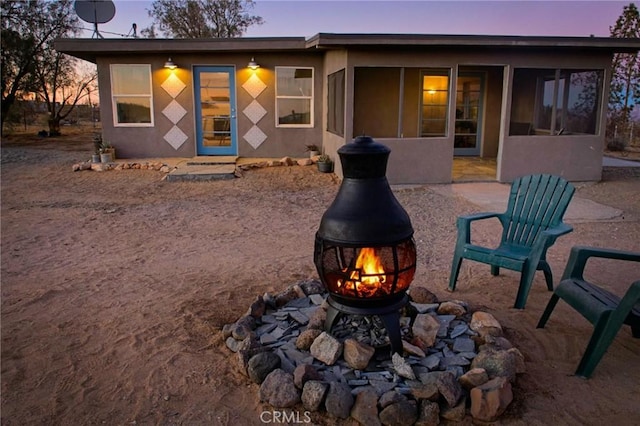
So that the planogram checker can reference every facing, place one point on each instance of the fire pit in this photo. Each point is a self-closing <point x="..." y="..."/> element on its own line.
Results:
<point x="364" y="249"/>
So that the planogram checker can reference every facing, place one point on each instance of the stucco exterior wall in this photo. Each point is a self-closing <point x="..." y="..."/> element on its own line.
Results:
<point x="149" y="142"/>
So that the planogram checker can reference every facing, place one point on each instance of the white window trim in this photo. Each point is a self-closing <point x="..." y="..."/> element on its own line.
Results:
<point x="311" y="98"/>
<point x="114" y="111"/>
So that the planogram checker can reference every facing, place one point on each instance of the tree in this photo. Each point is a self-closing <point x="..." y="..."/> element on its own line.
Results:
<point x="625" y="78"/>
<point x="202" y="18"/>
<point x="31" y="64"/>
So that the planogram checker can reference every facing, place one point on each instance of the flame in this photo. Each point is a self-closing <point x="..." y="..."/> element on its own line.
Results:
<point x="368" y="277"/>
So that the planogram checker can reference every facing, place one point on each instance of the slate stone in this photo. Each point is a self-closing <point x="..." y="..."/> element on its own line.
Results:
<point x="458" y="330"/>
<point x="446" y="383"/>
<point x="316" y="299"/>
<point x="432" y="362"/>
<point x="423" y="308"/>
<point x="456" y="413"/>
<point x="260" y="365"/>
<point x="412" y="349"/>
<point x="313" y="394"/>
<point x="382" y="386"/>
<point x="279" y="390"/>
<point x="464" y="344"/>
<point x="311" y="287"/>
<point x="339" y="400"/>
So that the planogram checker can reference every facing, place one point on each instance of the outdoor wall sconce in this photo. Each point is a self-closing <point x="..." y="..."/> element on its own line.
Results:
<point x="170" y="64"/>
<point x="253" y="64"/>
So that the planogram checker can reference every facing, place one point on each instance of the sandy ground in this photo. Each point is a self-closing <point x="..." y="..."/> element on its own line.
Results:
<point x="115" y="287"/>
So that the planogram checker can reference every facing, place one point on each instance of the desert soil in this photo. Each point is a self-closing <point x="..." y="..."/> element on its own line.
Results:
<point x="115" y="287"/>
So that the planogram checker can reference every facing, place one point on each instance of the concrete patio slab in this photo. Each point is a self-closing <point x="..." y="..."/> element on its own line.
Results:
<point x="493" y="196"/>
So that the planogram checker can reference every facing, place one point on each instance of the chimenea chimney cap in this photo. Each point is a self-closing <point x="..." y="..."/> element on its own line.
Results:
<point x="364" y="145"/>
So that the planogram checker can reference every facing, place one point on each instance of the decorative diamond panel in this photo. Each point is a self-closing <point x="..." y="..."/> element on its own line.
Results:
<point x="175" y="137"/>
<point x="174" y="112"/>
<point x="255" y="137"/>
<point x="254" y="86"/>
<point x="173" y="85"/>
<point x="254" y="111"/>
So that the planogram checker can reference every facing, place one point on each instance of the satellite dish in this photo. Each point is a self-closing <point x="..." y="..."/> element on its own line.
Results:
<point x="95" y="12"/>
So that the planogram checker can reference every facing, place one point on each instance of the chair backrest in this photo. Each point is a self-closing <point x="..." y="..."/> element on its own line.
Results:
<point x="536" y="203"/>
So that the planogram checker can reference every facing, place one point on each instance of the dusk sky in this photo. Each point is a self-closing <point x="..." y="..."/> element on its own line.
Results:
<point x="309" y="17"/>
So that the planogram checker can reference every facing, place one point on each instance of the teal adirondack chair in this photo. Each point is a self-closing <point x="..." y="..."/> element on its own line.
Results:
<point x="530" y="225"/>
<point x="606" y="311"/>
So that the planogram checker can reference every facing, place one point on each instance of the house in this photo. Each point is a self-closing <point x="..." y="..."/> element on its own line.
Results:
<point x="534" y="104"/>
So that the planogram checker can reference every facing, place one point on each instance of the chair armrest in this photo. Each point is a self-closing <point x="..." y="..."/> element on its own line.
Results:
<point x="580" y="254"/>
<point x="463" y="223"/>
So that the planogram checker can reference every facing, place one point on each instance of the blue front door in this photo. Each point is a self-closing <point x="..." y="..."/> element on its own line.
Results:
<point x="215" y="106"/>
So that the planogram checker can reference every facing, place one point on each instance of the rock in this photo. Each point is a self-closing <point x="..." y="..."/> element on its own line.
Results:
<point x="391" y="397"/>
<point x="274" y="163"/>
<point x="306" y="338"/>
<point x="303" y="373"/>
<point x="226" y="330"/>
<point x="403" y="413"/>
<point x="287" y="161"/>
<point x="425" y="330"/>
<point x="312" y="287"/>
<point x="496" y="363"/>
<point x="412" y="349"/>
<point x="305" y="162"/>
<point x="313" y="394"/>
<point x="422" y="295"/>
<point x="326" y="348"/>
<point x="365" y="409"/>
<point x="165" y="169"/>
<point x="232" y="344"/>
<point x="260" y="365"/>
<point x="286" y="296"/>
<point x="240" y="331"/>
<point x="457" y="413"/>
<point x="357" y="354"/>
<point x="447" y="385"/>
<point x="426" y="391"/>
<point x="519" y="359"/>
<point x="247" y="321"/>
<point x="339" y="400"/>
<point x="317" y="319"/>
<point x="429" y="414"/>
<point x="484" y="323"/>
<point x="497" y="342"/>
<point x="279" y="390"/>
<point x="474" y="377"/>
<point x="382" y="386"/>
<point x="451" y="308"/>
<point x="257" y="308"/>
<point x="490" y="400"/>
<point x="246" y="350"/>
<point x="402" y="367"/>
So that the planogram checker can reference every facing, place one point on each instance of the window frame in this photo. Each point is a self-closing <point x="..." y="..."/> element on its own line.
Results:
<point x="437" y="72"/>
<point x="310" y="98"/>
<point x="115" y="96"/>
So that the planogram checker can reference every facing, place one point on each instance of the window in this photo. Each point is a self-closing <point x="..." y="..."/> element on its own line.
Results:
<point x="335" y="103"/>
<point x="294" y="97"/>
<point x="435" y="103"/>
<point x="131" y="95"/>
<point x="555" y="101"/>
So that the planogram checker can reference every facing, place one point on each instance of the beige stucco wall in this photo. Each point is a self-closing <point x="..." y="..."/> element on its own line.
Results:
<point x="148" y="141"/>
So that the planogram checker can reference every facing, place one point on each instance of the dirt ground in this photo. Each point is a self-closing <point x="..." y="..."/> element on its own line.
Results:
<point x="115" y="287"/>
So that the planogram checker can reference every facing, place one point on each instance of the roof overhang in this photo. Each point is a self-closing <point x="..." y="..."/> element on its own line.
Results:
<point x="90" y="49"/>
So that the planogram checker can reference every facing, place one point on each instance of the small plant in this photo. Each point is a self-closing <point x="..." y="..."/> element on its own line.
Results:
<point x="106" y="146"/>
<point x="324" y="158"/>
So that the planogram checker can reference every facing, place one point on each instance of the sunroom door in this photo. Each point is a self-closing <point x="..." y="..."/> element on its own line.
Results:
<point x="215" y="110"/>
<point x="469" y="97"/>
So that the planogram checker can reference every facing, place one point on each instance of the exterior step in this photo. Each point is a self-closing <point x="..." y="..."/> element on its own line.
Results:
<point x="202" y="172"/>
<point x="212" y="161"/>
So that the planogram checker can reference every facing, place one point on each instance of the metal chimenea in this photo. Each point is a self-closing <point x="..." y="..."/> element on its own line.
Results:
<point x="364" y="249"/>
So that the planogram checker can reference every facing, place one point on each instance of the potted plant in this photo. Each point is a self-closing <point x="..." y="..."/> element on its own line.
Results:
<point x="325" y="164"/>
<point x="107" y="152"/>
<point x="313" y="150"/>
